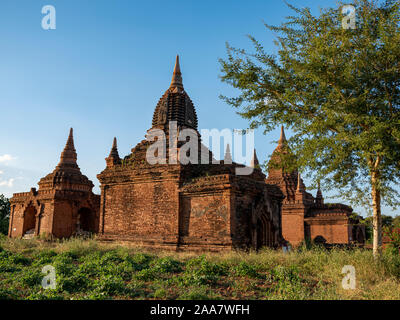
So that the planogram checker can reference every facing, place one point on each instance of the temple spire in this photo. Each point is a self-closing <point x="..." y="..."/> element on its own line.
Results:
<point x="69" y="156"/>
<point x="254" y="161"/>
<point x="300" y="194"/>
<point x="177" y="75"/>
<point x="114" y="149"/>
<point x="228" y="155"/>
<point x="299" y="184"/>
<point x="113" y="157"/>
<point x="282" y="138"/>
<point x="319" y="199"/>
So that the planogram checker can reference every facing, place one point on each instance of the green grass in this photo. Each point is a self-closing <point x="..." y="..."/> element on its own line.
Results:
<point x="87" y="269"/>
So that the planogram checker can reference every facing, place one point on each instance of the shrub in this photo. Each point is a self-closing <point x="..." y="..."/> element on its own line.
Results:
<point x="146" y="275"/>
<point x="31" y="278"/>
<point x="246" y="270"/>
<point x="7" y="294"/>
<point x="141" y="260"/>
<point x="7" y="266"/>
<point x="111" y="257"/>
<point x="64" y="264"/>
<point x="20" y="259"/>
<point x="160" y="293"/>
<point x="74" y="283"/>
<point x="110" y="285"/>
<point x="391" y="262"/>
<point x="282" y="273"/>
<point x="199" y="271"/>
<point x="45" y="295"/>
<point x="393" y="238"/>
<point x="44" y="257"/>
<point x="166" y="265"/>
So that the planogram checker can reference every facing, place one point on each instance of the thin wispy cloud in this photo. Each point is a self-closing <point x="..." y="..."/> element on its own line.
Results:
<point x="7" y="183"/>
<point x="6" y="158"/>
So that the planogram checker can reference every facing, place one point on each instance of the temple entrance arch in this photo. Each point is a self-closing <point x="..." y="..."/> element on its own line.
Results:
<point x="86" y="220"/>
<point x="265" y="227"/>
<point x="29" y="220"/>
<point x="358" y="235"/>
<point x="265" y="236"/>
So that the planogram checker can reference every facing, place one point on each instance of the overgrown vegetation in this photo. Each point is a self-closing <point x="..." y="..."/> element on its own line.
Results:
<point x="389" y="224"/>
<point x="4" y="214"/>
<point x="87" y="269"/>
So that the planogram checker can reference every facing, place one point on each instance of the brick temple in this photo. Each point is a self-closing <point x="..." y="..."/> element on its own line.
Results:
<point x="305" y="217"/>
<point x="63" y="206"/>
<point x="197" y="206"/>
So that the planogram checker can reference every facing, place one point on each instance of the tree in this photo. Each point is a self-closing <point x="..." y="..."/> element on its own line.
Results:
<point x="396" y="222"/>
<point x="339" y="91"/>
<point x="4" y="214"/>
<point x="387" y="222"/>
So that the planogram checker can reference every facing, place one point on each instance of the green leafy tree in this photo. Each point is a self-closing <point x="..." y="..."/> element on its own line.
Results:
<point x="338" y="90"/>
<point x="4" y="214"/>
<point x="388" y="222"/>
<point x="396" y="222"/>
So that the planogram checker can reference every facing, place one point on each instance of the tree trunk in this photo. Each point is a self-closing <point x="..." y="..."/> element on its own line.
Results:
<point x="377" y="218"/>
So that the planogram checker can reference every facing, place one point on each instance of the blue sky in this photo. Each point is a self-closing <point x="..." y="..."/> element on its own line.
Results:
<point x="103" y="70"/>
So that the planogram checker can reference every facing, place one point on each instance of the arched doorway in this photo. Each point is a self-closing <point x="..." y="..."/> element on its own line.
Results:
<point x="86" y="220"/>
<point x="358" y="235"/>
<point x="29" y="221"/>
<point x="265" y="236"/>
<point x="320" y="240"/>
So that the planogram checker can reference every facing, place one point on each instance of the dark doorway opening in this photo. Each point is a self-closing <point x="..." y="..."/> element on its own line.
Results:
<point x="86" y="220"/>
<point x="265" y="235"/>
<point x="29" y="220"/>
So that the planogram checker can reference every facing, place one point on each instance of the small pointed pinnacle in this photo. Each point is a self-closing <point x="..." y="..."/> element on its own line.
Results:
<point x="254" y="161"/>
<point x="114" y="149"/>
<point x="319" y="192"/>
<point x="69" y="153"/>
<point x="114" y="146"/>
<point x="228" y="156"/>
<point x="177" y="75"/>
<point x="70" y="140"/>
<point x="299" y="186"/>
<point x="282" y="138"/>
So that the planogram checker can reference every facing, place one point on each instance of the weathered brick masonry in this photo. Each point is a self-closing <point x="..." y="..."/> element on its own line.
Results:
<point x="195" y="206"/>
<point x="180" y="206"/>
<point x="63" y="206"/>
<point x="307" y="218"/>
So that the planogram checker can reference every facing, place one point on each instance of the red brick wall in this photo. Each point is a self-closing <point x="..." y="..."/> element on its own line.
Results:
<point x="46" y="221"/>
<point x="63" y="224"/>
<point x="242" y="219"/>
<point x="205" y="216"/>
<point x="141" y="209"/>
<point x="333" y="232"/>
<point x="16" y="221"/>
<point x="293" y="228"/>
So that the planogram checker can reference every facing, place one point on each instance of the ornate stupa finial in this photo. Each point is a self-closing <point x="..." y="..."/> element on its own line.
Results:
<point x="177" y="75"/>
<point x="282" y="139"/>
<point x="228" y="155"/>
<point x="254" y="161"/>
<point x="175" y="105"/>
<point x="113" y="158"/>
<point x="300" y="194"/>
<point x="114" y="149"/>
<point x="319" y="199"/>
<point x="68" y="156"/>
<point x="300" y="188"/>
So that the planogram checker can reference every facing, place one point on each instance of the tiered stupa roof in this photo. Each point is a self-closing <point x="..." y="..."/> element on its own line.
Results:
<point x="67" y="175"/>
<point x="175" y="104"/>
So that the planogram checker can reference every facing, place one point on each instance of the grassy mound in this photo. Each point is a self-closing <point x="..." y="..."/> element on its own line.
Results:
<point x="87" y="269"/>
